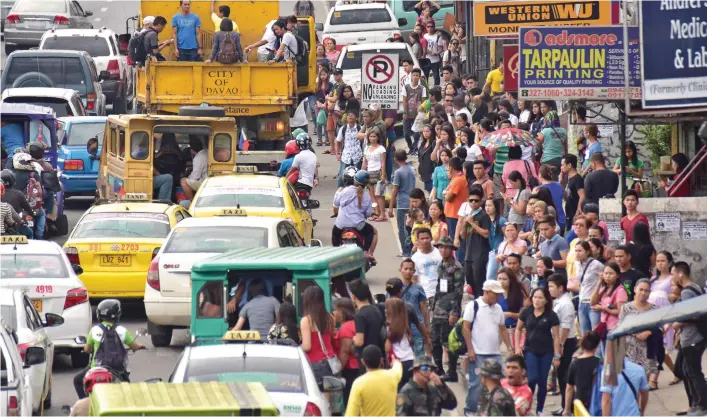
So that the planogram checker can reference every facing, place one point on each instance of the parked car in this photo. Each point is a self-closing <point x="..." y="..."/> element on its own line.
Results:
<point x="102" y="45"/>
<point x="5" y="7"/>
<point x="20" y="314"/>
<point x="78" y="170"/>
<point x="361" y="23"/>
<point x="15" y="385"/>
<point x="29" y="19"/>
<point x="74" y="70"/>
<point x="63" y="101"/>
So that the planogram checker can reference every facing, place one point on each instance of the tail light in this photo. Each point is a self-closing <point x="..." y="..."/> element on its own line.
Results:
<point x="302" y="194"/>
<point x="73" y="255"/>
<point x="73" y="165"/>
<point x="12" y="19"/>
<point x="114" y="68"/>
<point x="61" y="20"/>
<point x="153" y="274"/>
<point x="90" y="101"/>
<point x="312" y="410"/>
<point x="349" y="235"/>
<point x="23" y="349"/>
<point x="12" y="406"/>
<point x="280" y="126"/>
<point x="75" y="297"/>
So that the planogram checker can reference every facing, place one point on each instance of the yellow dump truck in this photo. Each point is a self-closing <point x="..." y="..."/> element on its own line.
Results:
<point x="261" y="96"/>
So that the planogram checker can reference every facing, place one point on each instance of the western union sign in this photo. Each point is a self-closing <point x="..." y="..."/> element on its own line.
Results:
<point x="500" y="17"/>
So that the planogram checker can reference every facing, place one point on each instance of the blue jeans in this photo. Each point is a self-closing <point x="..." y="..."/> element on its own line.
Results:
<point x="410" y="137"/>
<point x="163" y="184"/>
<point x="491" y="267"/>
<point x="342" y="168"/>
<point x="588" y="318"/>
<point x="434" y="69"/>
<point x="428" y="186"/>
<point x="25" y="231"/>
<point x="312" y="106"/>
<point x="40" y="223"/>
<point x="474" y="387"/>
<point x="538" y="367"/>
<point x="389" y="158"/>
<point x="403" y="237"/>
<point x="452" y="226"/>
<point x="189" y="55"/>
<point x="418" y="343"/>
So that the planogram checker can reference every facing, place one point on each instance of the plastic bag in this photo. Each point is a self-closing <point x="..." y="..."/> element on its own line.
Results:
<point x="321" y="118"/>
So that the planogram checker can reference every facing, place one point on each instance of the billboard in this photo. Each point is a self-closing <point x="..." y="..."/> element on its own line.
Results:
<point x="674" y="54"/>
<point x="510" y="67"/>
<point x="494" y="18"/>
<point x="577" y="63"/>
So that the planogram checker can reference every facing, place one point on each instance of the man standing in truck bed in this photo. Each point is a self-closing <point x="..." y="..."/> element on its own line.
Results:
<point x="186" y="30"/>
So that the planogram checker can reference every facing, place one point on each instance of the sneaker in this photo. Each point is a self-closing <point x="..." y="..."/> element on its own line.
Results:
<point x="558" y="412"/>
<point x="450" y="377"/>
<point x="697" y="411"/>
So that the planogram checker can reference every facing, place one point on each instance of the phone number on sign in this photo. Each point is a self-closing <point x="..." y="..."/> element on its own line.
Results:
<point x="578" y="93"/>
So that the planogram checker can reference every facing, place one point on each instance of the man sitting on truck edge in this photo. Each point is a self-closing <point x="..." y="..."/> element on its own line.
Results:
<point x="288" y="44"/>
<point x="186" y="29"/>
<point x="266" y="45"/>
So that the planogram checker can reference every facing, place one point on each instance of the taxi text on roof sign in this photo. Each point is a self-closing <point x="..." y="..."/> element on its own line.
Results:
<point x="135" y="197"/>
<point x="507" y="17"/>
<point x="241" y="336"/>
<point x="13" y="239"/>
<point x="233" y="212"/>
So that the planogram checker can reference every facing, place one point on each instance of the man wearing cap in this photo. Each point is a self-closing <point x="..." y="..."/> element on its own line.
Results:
<point x="499" y="401"/>
<point x="484" y="325"/>
<point x="331" y="101"/>
<point x="447" y="304"/>
<point x="372" y="120"/>
<point x="146" y="24"/>
<point x="425" y="394"/>
<point x="396" y="289"/>
<point x="475" y="230"/>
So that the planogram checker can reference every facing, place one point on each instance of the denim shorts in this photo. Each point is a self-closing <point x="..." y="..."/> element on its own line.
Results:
<point x="321" y="369"/>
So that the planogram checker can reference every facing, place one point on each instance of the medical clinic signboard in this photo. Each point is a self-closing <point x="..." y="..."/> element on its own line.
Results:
<point x="674" y="55"/>
<point x="380" y="82"/>
<point x="577" y="63"/>
<point x="502" y="18"/>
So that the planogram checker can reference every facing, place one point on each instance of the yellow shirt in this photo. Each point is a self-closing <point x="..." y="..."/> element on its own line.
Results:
<point x="571" y="267"/>
<point x="217" y="23"/>
<point x="495" y="80"/>
<point x="374" y="393"/>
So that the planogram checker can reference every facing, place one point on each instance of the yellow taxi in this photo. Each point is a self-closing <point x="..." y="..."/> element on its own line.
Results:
<point x="260" y="195"/>
<point x="115" y="241"/>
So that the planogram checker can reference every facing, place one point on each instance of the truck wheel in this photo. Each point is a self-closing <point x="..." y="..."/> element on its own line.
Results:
<point x="79" y="358"/>
<point x="62" y="225"/>
<point x="161" y="336"/>
<point x="197" y="111"/>
<point x="33" y="79"/>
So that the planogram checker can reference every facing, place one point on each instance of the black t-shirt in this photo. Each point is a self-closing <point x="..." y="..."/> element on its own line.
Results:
<point x="583" y="374"/>
<point x="478" y="247"/>
<point x="370" y="321"/>
<point x="600" y="183"/>
<point x="628" y="280"/>
<point x="574" y="184"/>
<point x="641" y="259"/>
<point x="539" y="330"/>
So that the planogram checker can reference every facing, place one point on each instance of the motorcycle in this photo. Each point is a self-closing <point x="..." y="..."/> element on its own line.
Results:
<point x="118" y="376"/>
<point x="351" y="236"/>
<point x="307" y="203"/>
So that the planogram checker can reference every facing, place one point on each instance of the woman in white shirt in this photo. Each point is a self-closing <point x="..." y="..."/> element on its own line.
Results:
<point x="399" y="343"/>
<point x="374" y="164"/>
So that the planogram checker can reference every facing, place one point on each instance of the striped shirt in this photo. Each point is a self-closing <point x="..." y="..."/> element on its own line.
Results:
<point x="6" y="213"/>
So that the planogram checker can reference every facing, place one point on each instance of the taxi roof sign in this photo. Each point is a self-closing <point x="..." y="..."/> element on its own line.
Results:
<point x="234" y="212"/>
<point x="13" y="239"/>
<point x="241" y="336"/>
<point x="135" y="197"/>
<point x="246" y="169"/>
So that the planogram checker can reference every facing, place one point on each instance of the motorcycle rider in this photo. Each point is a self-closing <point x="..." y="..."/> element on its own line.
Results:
<point x="306" y="162"/>
<point x="291" y="150"/>
<point x="108" y="313"/>
<point x="347" y="179"/>
<point x="16" y="199"/>
<point x="97" y="375"/>
<point x="9" y="217"/>
<point x="355" y="206"/>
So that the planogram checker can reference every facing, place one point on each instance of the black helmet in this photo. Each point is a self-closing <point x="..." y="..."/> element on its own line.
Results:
<point x="36" y="150"/>
<point x="109" y="310"/>
<point x="8" y="178"/>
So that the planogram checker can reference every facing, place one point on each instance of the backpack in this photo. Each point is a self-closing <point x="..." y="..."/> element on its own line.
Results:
<point x="227" y="53"/>
<point x="595" y="402"/>
<point x="456" y="342"/>
<point x="136" y="48"/>
<point x="700" y="323"/>
<point x="302" y="50"/>
<point x="34" y="192"/>
<point x="111" y="352"/>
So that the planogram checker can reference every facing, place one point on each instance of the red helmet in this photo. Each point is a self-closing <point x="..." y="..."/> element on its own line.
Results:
<point x="95" y="376"/>
<point x="291" y="148"/>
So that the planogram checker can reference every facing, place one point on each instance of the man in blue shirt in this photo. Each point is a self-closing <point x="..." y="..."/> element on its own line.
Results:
<point x="13" y="137"/>
<point x="403" y="183"/>
<point x="554" y="246"/>
<point x="186" y="30"/>
<point x="629" y="396"/>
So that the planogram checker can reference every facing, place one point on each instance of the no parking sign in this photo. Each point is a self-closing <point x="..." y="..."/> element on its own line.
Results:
<point x="380" y="82"/>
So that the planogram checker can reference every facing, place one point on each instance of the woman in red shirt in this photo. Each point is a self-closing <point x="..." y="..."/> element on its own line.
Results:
<point x="632" y="216"/>
<point x="343" y="342"/>
<point x="317" y="327"/>
<point x="678" y="163"/>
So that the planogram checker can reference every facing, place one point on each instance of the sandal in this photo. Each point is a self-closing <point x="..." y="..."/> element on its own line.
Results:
<point x="380" y="219"/>
<point x="675" y="381"/>
<point x="327" y="152"/>
<point x="372" y="218"/>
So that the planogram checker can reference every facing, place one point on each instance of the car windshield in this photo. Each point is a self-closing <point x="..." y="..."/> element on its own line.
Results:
<point x="64" y="72"/>
<point x="94" y="46"/>
<point x="351" y="60"/>
<point x="60" y="106"/>
<point x="359" y="16"/>
<point x="32" y="266"/>
<point x="80" y="133"/>
<point x="43" y="6"/>
<point x="122" y="225"/>
<point x="276" y="374"/>
<point x="243" y="196"/>
<point x="215" y="239"/>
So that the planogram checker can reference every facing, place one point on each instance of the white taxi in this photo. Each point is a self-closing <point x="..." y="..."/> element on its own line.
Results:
<point x="16" y="394"/>
<point x="284" y="370"/>
<point x="41" y="270"/>
<point x="168" y="287"/>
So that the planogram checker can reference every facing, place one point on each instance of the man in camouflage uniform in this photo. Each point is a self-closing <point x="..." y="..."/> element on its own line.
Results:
<point x="496" y="400"/>
<point x="447" y="305"/>
<point x="425" y="394"/>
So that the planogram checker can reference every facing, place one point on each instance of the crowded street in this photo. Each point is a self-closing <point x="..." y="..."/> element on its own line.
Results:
<point x="353" y="207"/>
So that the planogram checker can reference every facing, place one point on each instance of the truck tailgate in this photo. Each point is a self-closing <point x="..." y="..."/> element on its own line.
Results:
<point x="243" y="89"/>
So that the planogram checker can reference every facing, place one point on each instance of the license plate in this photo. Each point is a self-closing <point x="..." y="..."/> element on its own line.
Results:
<point x="37" y="305"/>
<point x="116" y="260"/>
<point x="36" y="25"/>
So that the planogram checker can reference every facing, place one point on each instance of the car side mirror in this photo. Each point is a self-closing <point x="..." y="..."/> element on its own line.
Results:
<point x="315" y="243"/>
<point x="53" y="320"/>
<point x="78" y="270"/>
<point x="402" y="22"/>
<point x="80" y="340"/>
<point x="104" y="75"/>
<point x="34" y="356"/>
<point x="313" y="204"/>
<point x="332" y="384"/>
<point x="319" y="27"/>
<point x="87" y="13"/>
